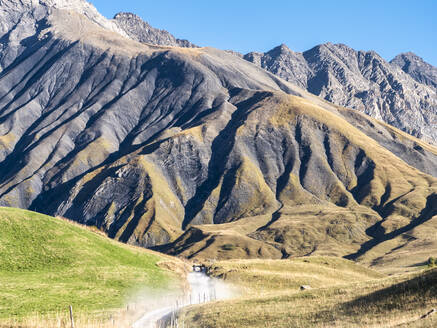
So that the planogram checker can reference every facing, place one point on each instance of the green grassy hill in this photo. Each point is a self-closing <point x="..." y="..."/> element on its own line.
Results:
<point x="47" y="263"/>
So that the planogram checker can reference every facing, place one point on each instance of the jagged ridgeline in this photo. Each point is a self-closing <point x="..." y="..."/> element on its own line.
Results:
<point x="401" y="92"/>
<point x="196" y="151"/>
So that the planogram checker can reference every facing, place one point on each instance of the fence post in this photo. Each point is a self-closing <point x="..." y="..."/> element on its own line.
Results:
<point x="71" y="317"/>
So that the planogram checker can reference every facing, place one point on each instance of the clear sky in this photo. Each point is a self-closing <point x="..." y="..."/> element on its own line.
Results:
<point x="387" y="26"/>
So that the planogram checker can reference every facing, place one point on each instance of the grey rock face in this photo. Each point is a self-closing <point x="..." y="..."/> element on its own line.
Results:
<point x="283" y="62"/>
<point x="141" y="31"/>
<point x="360" y="80"/>
<point x="417" y="68"/>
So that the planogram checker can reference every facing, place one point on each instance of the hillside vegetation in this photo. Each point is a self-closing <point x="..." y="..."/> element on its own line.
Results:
<point x="342" y="294"/>
<point x="47" y="264"/>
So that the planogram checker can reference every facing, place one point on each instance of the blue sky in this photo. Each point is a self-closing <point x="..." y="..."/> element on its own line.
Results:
<point x="389" y="27"/>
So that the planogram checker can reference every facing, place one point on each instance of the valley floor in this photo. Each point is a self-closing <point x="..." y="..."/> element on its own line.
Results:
<point x="47" y="264"/>
<point x="342" y="294"/>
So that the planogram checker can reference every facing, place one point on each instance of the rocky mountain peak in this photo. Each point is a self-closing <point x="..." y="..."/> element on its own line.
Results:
<point x="128" y="15"/>
<point x="328" y="51"/>
<point x="283" y="62"/>
<point x="23" y="15"/>
<point x="323" y="48"/>
<point x="283" y="48"/>
<point x="141" y="31"/>
<point x="407" y="56"/>
<point x="417" y="68"/>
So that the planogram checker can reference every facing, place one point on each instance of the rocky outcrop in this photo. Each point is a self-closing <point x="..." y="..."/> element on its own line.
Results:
<point x="198" y="152"/>
<point x="417" y="68"/>
<point x="283" y="62"/>
<point x="361" y="80"/>
<point x="141" y="31"/>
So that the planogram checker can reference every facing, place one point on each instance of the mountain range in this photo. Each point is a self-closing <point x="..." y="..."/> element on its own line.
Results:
<point x="393" y="92"/>
<point x="199" y="152"/>
<point x="401" y="92"/>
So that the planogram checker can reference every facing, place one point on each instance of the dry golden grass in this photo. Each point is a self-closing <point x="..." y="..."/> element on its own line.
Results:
<point x="264" y="276"/>
<point x="121" y="318"/>
<point x="7" y="139"/>
<point x="343" y="294"/>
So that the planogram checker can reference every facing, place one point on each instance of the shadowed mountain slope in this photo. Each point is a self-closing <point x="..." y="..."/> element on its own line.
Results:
<point x="197" y="151"/>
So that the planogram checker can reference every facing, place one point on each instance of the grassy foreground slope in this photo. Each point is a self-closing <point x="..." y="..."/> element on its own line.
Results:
<point x="343" y="294"/>
<point x="47" y="264"/>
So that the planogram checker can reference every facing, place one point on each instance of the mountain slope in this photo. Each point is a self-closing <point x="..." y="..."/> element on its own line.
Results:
<point x="50" y="264"/>
<point x="145" y="142"/>
<point x="330" y="189"/>
<point x="360" y="80"/>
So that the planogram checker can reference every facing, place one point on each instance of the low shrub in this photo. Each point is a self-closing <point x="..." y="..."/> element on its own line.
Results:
<point x="228" y="247"/>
